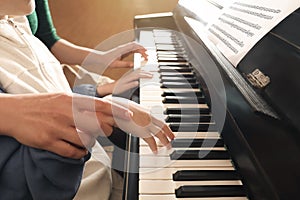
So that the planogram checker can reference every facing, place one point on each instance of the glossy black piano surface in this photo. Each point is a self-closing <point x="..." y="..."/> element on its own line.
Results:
<point x="265" y="150"/>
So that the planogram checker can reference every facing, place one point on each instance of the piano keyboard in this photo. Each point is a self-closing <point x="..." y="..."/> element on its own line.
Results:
<point x="198" y="167"/>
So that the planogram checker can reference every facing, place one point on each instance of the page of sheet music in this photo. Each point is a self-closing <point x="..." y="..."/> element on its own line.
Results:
<point x="205" y="11"/>
<point x="244" y="22"/>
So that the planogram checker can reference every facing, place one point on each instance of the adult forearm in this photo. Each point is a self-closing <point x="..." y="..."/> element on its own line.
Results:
<point x="8" y="108"/>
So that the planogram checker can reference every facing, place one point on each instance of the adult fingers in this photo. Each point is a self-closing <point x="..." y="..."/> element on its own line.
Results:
<point x="107" y="129"/>
<point x="71" y="135"/>
<point x="106" y="123"/>
<point x="168" y="132"/>
<point x="95" y="124"/>
<point x="87" y="139"/>
<point x="113" y="109"/>
<point x="82" y="103"/>
<point x="66" y="149"/>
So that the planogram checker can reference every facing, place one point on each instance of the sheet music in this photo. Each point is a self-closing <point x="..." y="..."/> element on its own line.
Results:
<point x="243" y="23"/>
<point x="204" y="10"/>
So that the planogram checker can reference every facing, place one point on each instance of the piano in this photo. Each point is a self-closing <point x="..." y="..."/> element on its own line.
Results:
<point x="234" y="140"/>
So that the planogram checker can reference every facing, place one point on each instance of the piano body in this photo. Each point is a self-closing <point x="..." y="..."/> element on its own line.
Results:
<point x="255" y="150"/>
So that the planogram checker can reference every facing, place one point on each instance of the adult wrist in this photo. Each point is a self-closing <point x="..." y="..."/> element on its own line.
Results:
<point x="8" y="109"/>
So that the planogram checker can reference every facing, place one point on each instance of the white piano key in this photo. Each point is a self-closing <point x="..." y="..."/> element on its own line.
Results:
<point x="152" y="53"/>
<point x="152" y="98"/>
<point x="173" y="197"/>
<point x="150" y="67"/>
<point x="167" y="173"/>
<point x="150" y="104"/>
<point x="145" y="150"/>
<point x="147" y="38"/>
<point x="160" y="162"/>
<point x="172" y="63"/>
<point x="150" y="86"/>
<point x="154" y="79"/>
<point x="147" y="88"/>
<point x="188" y="135"/>
<point x="169" y="186"/>
<point x="197" y="135"/>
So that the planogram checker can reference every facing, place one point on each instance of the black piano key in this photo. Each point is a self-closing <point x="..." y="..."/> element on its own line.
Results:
<point x="167" y="43"/>
<point x="183" y="100"/>
<point x="168" y="46"/>
<point x="174" y="64"/>
<point x="174" y="69"/>
<point x="205" y="175"/>
<point x="192" y="143"/>
<point x="187" y="111"/>
<point x="172" y="59"/>
<point x="191" y="127"/>
<point x="176" y="49"/>
<point x="210" y="191"/>
<point x="199" y="155"/>
<point x="166" y="40"/>
<point x="162" y="33"/>
<point x="173" y="50"/>
<point x="188" y="118"/>
<point x="172" y="56"/>
<point x="177" y="74"/>
<point x="176" y="79"/>
<point x="182" y="94"/>
<point x="158" y="53"/>
<point x="179" y="85"/>
<point x="181" y="80"/>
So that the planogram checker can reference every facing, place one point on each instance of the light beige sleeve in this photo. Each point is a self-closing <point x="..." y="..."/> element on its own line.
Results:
<point x="77" y="75"/>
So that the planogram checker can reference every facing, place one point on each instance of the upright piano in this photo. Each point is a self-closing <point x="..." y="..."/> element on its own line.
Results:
<point x="237" y="138"/>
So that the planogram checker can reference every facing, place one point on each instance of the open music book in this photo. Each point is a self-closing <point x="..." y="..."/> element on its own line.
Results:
<point x="241" y="24"/>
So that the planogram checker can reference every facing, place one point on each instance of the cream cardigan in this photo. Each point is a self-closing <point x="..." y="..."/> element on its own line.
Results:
<point x="26" y="65"/>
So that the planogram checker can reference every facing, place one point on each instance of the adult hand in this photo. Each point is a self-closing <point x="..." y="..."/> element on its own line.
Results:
<point x="50" y="121"/>
<point x="143" y="124"/>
